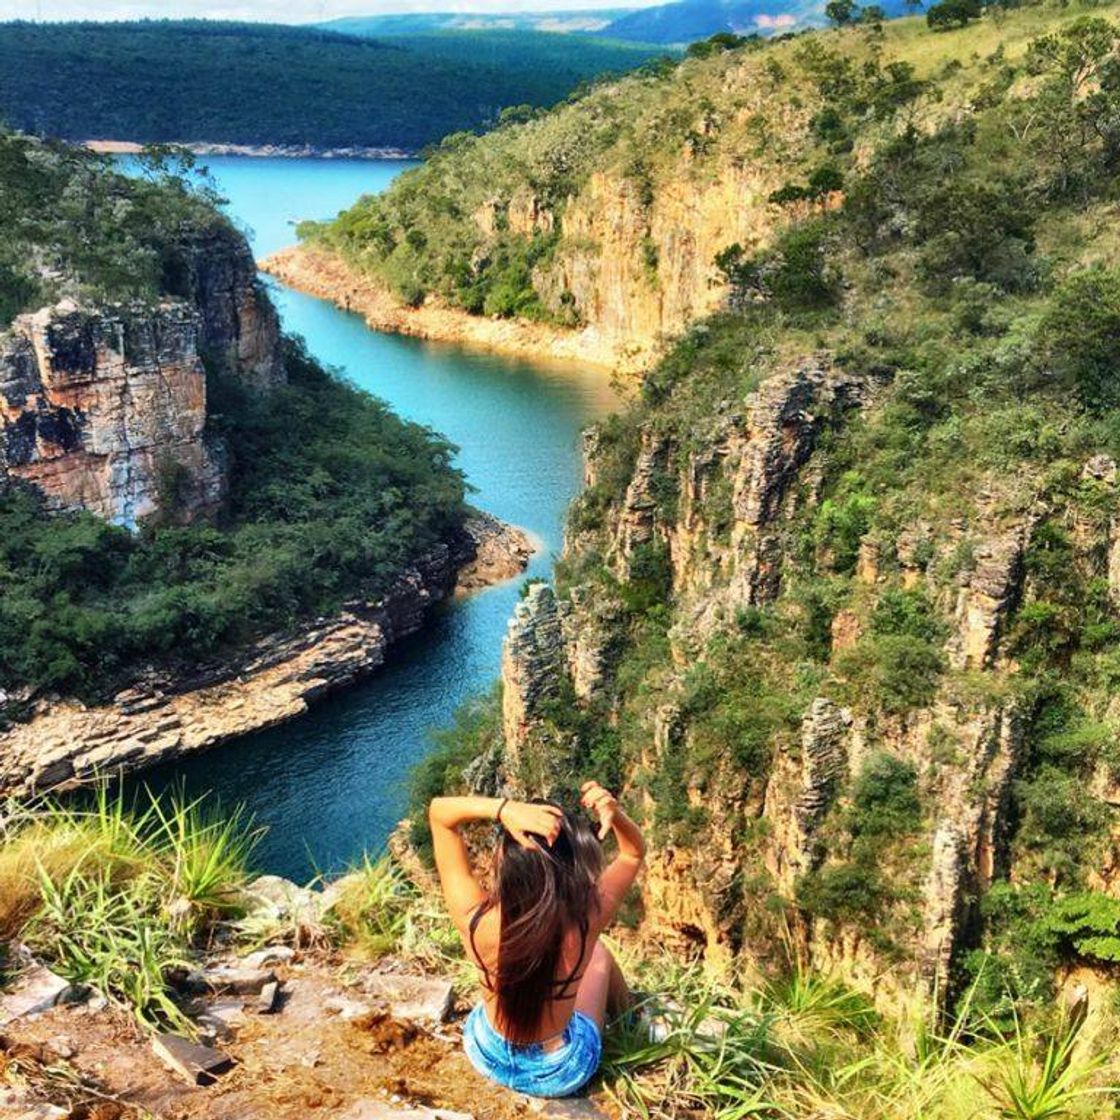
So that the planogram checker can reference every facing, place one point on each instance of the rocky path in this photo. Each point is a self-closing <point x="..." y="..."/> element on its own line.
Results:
<point x="294" y="1035"/>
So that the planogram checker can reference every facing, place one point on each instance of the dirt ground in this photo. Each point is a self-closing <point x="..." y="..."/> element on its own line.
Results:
<point x="299" y="1063"/>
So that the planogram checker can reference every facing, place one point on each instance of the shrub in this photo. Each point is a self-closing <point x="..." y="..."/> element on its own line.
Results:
<point x="650" y="580"/>
<point x="884" y="798"/>
<point x="842" y="521"/>
<point x="906" y="613"/>
<point x="1086" y="924"/>
<point x="844" y="893"/>
<point x="1080" y="336"/>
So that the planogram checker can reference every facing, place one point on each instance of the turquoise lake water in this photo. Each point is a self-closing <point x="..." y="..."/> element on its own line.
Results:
<point x="334" y="783"/>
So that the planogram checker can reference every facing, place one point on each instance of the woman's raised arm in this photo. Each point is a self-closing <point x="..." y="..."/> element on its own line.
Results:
<point x="461" y="891"/>
<point x="619" y="876"/>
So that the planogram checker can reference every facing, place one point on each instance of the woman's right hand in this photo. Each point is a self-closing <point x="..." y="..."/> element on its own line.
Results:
<point x="601" y="802"/>
<point x="523" y="820"/>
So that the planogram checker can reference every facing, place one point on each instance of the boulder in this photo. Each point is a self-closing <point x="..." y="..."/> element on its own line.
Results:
<point x="419" y="999"/>
<point x="36" y="990"/>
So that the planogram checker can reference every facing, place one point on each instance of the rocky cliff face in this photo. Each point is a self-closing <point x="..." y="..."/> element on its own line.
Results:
<point x="726" y="510"/>
<point x="104" y="408"/>
<point x="639" y="271"/>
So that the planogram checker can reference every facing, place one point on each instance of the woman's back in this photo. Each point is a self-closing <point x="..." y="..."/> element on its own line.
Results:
<point x="576" y="950"/>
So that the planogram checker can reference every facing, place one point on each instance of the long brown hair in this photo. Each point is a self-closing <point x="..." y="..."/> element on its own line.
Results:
<point x="541" y="893"/>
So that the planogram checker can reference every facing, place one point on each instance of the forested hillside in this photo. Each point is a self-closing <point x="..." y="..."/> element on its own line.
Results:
<point x="254" y="84"/>
<point x="841" y="603"/>
<point x="152" y="376"/>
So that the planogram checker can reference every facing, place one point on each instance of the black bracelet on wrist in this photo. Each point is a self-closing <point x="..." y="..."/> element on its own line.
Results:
<point x="498" y="814"/>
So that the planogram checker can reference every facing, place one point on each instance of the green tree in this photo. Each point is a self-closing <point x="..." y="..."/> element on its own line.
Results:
<point x="841" y="12"/>
<point x="1080" y="336"/>
<point x="953" y="13"/>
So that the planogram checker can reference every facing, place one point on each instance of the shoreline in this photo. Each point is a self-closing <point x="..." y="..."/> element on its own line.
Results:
<point x="253" y="151"/>
<point x="161" y="717"/>
<point x="319" y="272"/>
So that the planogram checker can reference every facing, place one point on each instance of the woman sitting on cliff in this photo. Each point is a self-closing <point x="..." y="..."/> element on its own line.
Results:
<point x="548" y="982"/>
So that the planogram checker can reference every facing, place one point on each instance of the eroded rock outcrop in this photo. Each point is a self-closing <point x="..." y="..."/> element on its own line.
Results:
<point x="239" y="326"/>
<point x="104" y="407"/>
<point x="988" y="592"/>
<point x="801" y="791"/>
<point x="105" y="410"/>
<point x="533" y="674"/>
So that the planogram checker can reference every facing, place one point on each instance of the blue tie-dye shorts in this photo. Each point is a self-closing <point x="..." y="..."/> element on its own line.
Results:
<point x="531" y="1068"/>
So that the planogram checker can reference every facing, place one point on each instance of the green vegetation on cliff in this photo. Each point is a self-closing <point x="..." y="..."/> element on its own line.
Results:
<point x="845" y="581"/>
<point x="164" y="81"/>
<point x="72" y="227"/>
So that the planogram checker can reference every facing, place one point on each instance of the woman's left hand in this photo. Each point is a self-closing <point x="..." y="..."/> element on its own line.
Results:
<point x="602" y="803"/>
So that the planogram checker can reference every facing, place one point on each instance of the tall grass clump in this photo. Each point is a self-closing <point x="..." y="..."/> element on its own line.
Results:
<point x="379" y="911"/>
<point x="807" y="1046"/>
<point x="115" y="896"/>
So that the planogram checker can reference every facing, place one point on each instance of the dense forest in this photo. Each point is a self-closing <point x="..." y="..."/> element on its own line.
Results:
<point x="330" y="495"/>
<point x="157" y="81"/>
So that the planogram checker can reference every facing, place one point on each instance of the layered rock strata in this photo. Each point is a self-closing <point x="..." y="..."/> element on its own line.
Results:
<point x="103" y="410"/>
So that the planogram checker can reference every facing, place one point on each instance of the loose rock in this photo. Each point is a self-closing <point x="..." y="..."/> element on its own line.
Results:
<point x="270" y="955"/>
<point x="238" y="981"/>
<point x="200" y="1065"/>
<point x="36" y="990"/>
<point x="416" y="998"/>
<point x="267" y="1000"/>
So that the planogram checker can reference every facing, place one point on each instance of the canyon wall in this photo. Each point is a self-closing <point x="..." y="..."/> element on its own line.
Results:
<point x="104" y="407"/>
<point x="743" y="490"/>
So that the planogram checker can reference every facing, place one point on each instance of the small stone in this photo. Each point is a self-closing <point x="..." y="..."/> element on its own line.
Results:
<point x="200" y="1065"/>
<point x="266" y="1001"/>
<point x="238" y="981"/>
<point x="36" y="990"/>
<point x="417" y="998"/>
<point x="271" y="954"/>
<point x="347" y="1009"/>
<point x="570" y="1108"/>
<point x="62" y="1047"/>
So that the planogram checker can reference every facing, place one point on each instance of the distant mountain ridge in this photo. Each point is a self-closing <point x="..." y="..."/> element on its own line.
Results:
<point x="674" y="24"/>
<point x="688" y="20"/>
<point x="413" y="23"/>
<point x="268" y="85"/>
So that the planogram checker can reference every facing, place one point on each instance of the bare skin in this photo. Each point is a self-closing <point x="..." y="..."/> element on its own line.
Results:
<point x="601" y="991"/>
